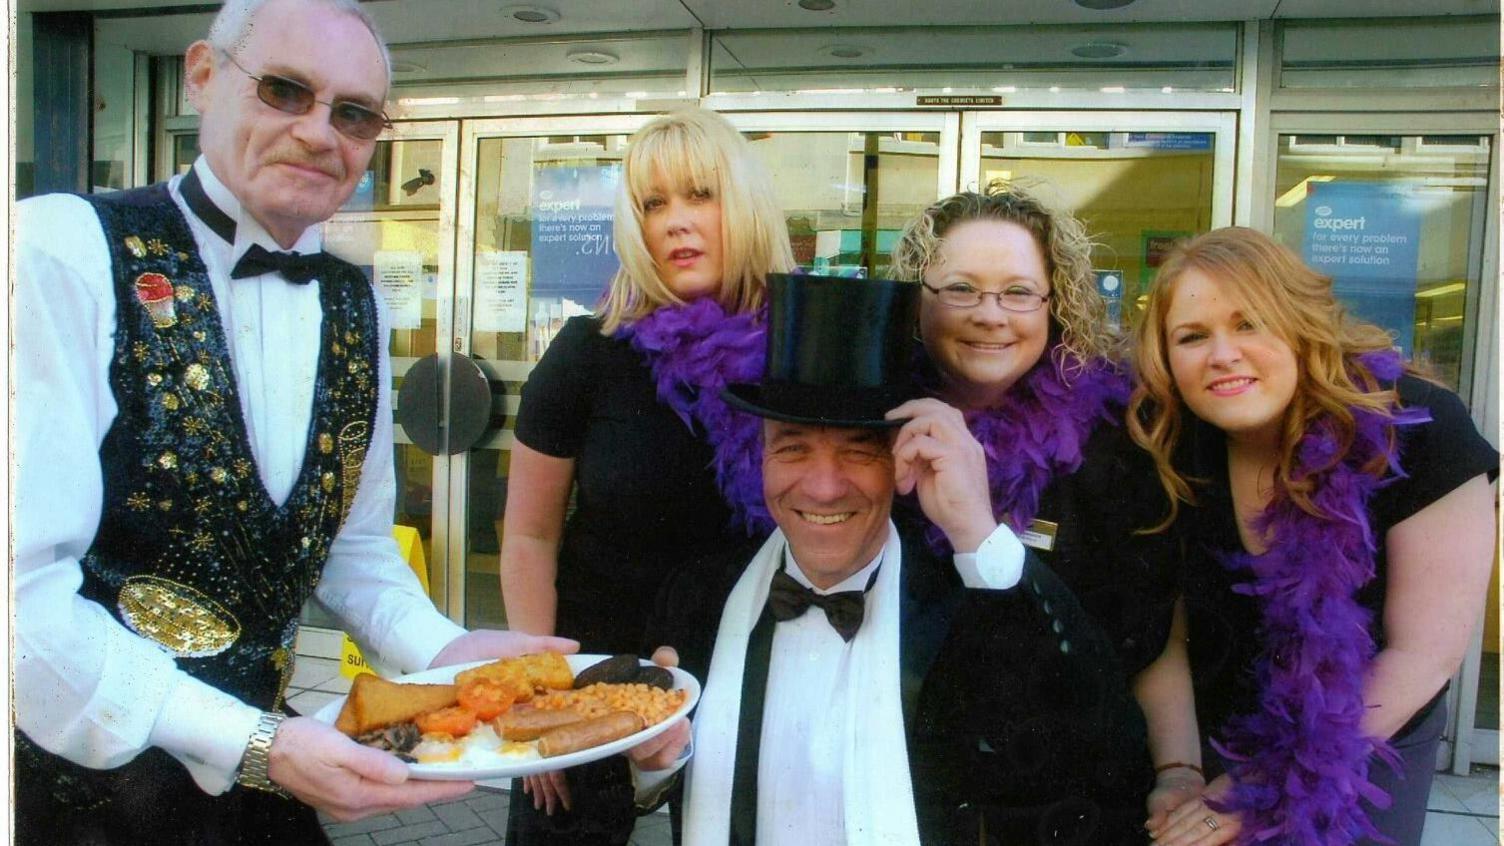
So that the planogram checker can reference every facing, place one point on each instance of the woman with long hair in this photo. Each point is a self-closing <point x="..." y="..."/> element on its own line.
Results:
<point x="1016" y="338"/>
<point x="1338" y="522"/>
<point x="624" y="410"/>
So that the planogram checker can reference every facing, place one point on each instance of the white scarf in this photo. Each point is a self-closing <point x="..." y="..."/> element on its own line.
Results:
<point x="879" y="802"/>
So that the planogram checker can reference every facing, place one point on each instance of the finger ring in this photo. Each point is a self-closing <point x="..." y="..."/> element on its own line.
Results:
<point x="1211" y="823"/>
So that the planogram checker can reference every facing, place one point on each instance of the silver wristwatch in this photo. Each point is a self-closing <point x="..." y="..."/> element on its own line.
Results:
<point x="253" y="765"/>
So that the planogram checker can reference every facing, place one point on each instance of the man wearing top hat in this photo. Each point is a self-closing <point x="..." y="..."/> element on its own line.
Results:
<point x="203" y="438"/>
<point x="858" y="687"/>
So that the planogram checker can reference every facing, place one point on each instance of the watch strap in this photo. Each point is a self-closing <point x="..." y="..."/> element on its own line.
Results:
<point x="254" y="764"/>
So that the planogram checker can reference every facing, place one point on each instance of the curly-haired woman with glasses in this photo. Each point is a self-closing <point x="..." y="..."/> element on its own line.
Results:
<point x="1016" y="339"/>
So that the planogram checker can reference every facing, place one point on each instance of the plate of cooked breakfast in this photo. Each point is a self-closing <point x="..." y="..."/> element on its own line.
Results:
<point x="516" y="716"/>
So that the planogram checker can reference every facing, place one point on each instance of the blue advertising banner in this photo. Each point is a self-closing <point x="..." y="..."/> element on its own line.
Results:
<point x="1366" y="236"/>
<point x="572" y="252"/>
<point x="1170" y="140"/>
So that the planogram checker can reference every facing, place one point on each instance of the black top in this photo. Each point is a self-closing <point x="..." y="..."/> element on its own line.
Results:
<point x="1123" y="578"/>
<point x="646" y="497"/>
<point x="1438" y="456"/>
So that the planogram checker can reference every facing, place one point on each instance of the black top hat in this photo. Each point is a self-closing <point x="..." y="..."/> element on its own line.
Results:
<point x="840" y="351"/>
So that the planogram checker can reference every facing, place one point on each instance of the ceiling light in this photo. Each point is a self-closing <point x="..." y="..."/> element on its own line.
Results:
<point x="1006" y="89"/>
<point x="1100" y="49"/>
<point x="1114" y="89"/>
<point x="844" y="51"/>
<point x="817" y="5"/>
<point x="402" y="66"/>
<point x="1167" y="90"/>
<point x="532" y="14"/>
<point x="1297" y="195"/>
<point x="1443" y="290"/>
<point x="1103" y="5"/>
<point x="591" y="56"/>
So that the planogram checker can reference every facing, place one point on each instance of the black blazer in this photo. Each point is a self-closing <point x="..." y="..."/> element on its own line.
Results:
<point x="1020" y="727"/>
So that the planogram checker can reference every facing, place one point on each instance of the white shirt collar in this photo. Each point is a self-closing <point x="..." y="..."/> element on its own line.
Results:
<point x="248" y="230"/>
<point x="855" y="581"/>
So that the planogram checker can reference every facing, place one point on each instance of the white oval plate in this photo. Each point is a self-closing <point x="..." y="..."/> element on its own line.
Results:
<point x="516" y="769"/>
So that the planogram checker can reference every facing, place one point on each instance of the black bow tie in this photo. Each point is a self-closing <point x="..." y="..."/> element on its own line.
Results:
<point x="788" y="599"/>
<point x="296" y="267"/>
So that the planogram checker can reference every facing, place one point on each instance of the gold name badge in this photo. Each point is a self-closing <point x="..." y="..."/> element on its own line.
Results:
<point x="1040" y="535"/>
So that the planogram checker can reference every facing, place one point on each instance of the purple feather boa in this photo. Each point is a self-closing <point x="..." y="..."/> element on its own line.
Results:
<point x="1038" y="432"/>
<point x="694" y="351"/>
<point x="1299" y="763"/>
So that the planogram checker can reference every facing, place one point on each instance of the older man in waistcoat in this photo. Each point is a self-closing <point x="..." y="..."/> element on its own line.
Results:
<point x="203" y="442"/>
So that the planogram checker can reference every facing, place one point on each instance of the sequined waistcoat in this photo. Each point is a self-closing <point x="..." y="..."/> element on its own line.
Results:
<point x="192" y="553"/>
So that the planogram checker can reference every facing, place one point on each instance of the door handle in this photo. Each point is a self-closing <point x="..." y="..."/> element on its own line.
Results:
<point x="421" y="397"/>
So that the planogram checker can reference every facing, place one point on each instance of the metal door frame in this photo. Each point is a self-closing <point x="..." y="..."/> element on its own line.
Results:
<point x="448" y="132"/>
<point x="1223" y="125"/>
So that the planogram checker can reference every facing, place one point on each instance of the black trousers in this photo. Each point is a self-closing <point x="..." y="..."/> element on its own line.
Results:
<point x="601" y="794"/>
<point x="150" y="800"/>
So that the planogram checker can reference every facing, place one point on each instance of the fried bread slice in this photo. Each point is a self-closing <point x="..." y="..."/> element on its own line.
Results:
<point x="376" y="703"/>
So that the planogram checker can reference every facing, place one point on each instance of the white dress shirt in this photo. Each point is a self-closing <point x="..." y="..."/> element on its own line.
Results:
<point x="800" y="763"/>
<point x="87" y="688"/>
<point x="799" y="777"/>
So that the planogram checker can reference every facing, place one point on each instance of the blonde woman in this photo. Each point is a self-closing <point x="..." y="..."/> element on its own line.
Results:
<point x="1339" y="525"/>
<point x="1016" y="338"/>
<point x="624" y="409"/>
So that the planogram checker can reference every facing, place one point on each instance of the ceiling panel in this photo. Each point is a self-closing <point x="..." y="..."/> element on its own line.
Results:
<point x="1383" y="8"/>
<point x="485" y="17"/>
<point x="727" y="14"/>
<point x="406" y="21"/>
<point x="411" y="21"/>
<point x="995" y="47"/>
<point x="630" y="56"/>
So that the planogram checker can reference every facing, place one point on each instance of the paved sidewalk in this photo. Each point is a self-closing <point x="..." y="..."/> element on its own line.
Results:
<point x="480" y="818"/>
<point x="1463" y="810"/>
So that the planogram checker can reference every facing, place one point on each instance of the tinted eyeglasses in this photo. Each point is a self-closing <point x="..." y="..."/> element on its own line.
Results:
<point x="295" y="98"/>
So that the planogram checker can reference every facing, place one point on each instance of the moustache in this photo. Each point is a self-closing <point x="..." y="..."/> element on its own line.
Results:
<point x="329" y="165"/>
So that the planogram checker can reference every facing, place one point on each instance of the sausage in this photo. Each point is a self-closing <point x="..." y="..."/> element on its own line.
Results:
<point x="589" y="733"/>
<point x="524" y="722"/>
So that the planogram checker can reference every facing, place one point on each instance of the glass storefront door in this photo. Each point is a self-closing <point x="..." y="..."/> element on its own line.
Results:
<point x="849" y="183"/>
<point x="1396" y="209"/>
<point x="1397" y="222"/>
<point x="535" y="233"/>
<point x="399" y="227"/>
<point x="1138" y="181"/>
